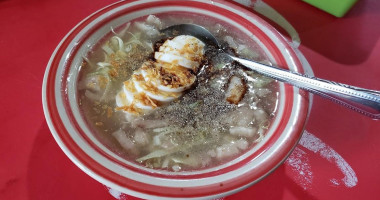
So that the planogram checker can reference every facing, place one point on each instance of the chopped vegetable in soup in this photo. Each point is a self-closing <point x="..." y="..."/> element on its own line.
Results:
<point x="172" y="103"/>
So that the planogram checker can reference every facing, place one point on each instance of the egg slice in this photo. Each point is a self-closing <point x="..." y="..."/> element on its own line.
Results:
<point x="121" y="100"/>
<point x="184" y="50"/>
<point x="170" y="58"/>
<point x="152" y="91"/>
<point x="123" y="104"/>
<point x="138" y="99"/>
<point x="168" y="78"/>
<point x="164" y="80"/>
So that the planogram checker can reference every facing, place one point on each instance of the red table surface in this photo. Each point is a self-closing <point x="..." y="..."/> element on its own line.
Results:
<point x="337" y="158"/>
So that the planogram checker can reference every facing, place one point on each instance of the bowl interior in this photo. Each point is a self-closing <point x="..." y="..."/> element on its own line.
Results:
<point x="101" y="140"/>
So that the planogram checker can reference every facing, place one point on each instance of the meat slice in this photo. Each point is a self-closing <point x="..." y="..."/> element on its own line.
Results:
<point x="236" y="90"/>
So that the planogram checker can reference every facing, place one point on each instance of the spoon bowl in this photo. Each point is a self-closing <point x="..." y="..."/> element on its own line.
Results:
<point x="192" y="29"/>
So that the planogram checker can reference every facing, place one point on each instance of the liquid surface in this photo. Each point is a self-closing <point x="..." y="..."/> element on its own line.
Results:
<point x="226" y="111"/>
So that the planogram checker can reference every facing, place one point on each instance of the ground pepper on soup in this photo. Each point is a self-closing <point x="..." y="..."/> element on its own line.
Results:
<point x="168" y="109"/>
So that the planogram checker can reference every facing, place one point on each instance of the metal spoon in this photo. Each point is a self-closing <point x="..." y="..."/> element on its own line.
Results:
<point x="362" y="100"/>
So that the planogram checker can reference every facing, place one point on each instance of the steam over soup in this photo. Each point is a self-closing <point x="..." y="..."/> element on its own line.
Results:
<point x="172" y="103"/>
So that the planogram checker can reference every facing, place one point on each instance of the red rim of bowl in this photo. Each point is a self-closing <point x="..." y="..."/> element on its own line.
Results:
<point x="137" y="188"/>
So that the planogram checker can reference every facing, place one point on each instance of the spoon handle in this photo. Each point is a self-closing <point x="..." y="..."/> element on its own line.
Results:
<point x="362" y="100"/>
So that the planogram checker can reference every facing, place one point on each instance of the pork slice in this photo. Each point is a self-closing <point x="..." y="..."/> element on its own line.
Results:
<point x="236" y="90"/>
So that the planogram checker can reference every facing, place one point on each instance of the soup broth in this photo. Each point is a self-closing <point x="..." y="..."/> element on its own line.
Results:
<point x="223" y="114"/>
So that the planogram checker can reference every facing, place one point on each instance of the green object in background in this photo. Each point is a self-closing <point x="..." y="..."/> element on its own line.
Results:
<point x="335" y="7"/>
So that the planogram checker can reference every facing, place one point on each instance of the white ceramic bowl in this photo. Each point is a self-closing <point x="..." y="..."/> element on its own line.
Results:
<point x="82" y="147"/>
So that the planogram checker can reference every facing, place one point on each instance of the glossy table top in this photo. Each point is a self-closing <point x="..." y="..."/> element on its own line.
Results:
<point x="338" y="156"/>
